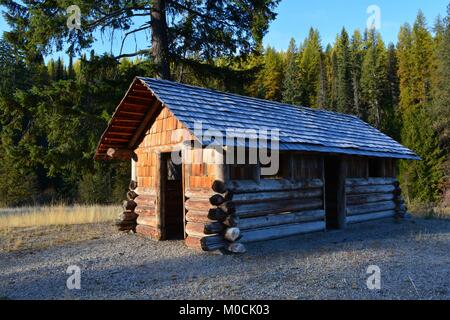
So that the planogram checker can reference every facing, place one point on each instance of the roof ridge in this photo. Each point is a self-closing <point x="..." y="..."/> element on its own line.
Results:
<point x="174" y="83"/>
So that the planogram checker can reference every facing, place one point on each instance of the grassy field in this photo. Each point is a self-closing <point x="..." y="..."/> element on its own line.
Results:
<point x="56" y="215"/>
<point x="41" y="227"/>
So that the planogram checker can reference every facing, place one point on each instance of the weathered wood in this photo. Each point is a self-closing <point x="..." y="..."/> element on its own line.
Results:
<point x="371" y="216"/>
<point x="195" y="229"/>
<point x="144" y="124"/>
<point x="282" y="231"/>
<point x="146" y="211"/>
<point x="213" y="243"/>
<point x="204" y="205"/>
<point x="370" y="208"/>
<point x="150" y="232"/>
<point x="280" y="219"/>
<point x="219" y="187"/>
<point x="370" y="182"/>
<point x="201" y="229"/>
<point x="120" y="154"/>
<point x="231" y="221"/>
<point x="147" y="221"/>
<point x="126" y="226"/>
<point x="283" y="206"/>
<point x="198" y="217"/>
<point x="368" y="198"/>
<point x="369" y="189"/>
<point x="214" y="228"/>
<point x="198" y="205"/>
<point x="193" y="243"/>
<point x="217" y="200"/>
<point x="146" y="200"/>
<point x="341" y="193"/>
<point x="250" y="186"/>
<point x="237" y="248"/>
<point x="129" y="216"/>
<point x="228" y="207"/>
<point x="199" y="194"/>
<point x="160" y="187"/>
<point x="232" y="234"/>
<point x="129" y="205"/>
<point x="133" y="185"/>
<point x="217" y="215"/>
<point x="131" y="195"/>
<point x="277" y="195"/>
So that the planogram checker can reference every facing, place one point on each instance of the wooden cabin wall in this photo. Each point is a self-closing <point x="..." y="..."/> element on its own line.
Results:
<point x="274" y="207"/>
<point x="202" y="170"/>
<point x="165" y="135"/>
<point x="371" y="189"/>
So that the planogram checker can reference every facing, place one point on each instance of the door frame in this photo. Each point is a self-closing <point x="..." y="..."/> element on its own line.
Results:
<point x="160" y="192"/>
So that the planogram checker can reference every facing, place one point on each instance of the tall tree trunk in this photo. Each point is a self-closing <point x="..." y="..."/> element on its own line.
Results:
<point x="160" y="45"/>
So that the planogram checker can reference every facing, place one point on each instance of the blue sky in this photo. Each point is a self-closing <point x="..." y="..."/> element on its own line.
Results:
<point x="295" y="17"/>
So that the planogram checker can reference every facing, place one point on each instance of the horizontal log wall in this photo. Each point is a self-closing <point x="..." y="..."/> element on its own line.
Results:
<point x="370" y="199"/>
<point x="273" y="209"/>
<point x="147" y="220"/>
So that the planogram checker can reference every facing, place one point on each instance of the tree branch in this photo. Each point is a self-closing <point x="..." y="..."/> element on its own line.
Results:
<point x="145" y="26"/>
<point x="116" y="13"/>
<point x="134" y="54"/>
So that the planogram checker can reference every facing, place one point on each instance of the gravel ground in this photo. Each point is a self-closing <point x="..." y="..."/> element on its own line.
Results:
<point x="413" y="257"/>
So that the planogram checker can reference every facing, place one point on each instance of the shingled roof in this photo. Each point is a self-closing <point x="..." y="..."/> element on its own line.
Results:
<point x="300" y="128"/>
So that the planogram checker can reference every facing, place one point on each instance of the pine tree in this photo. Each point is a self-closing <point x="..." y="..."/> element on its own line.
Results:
<point x="441" y="99"/>
<point x="273" y="75"/>
<point x="344" y="91"/>
<point x="291" y="91"/>
<point x="405" y="65"/>
<point x="70" y="69"/>
<point x="60" y="70"/>
<point x="421" y="179"/>
<point x="357" y="56"/>
<point x="310" y="71"/>
<point x="392" y="96"/>
<point x="332" y="80"/>
<point x="374" y="79"/>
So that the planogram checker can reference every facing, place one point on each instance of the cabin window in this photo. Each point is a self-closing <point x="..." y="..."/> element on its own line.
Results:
<point x="284" y="168"/>
<point x="376" y="168"/>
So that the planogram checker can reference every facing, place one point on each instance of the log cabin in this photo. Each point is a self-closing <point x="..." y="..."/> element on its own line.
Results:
<point x="333" y="169"/>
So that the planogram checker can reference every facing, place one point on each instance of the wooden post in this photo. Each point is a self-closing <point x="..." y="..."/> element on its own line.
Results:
<point x="257" y="173"/>
<point x="160" y="186"/>
<point x="324" y="193"/>
<point x="341" y="194"/>
<point x="183" y="182"/>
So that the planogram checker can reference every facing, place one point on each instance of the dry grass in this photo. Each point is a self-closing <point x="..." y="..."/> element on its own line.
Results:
<point x="30" y="228"/>
<point x="56" y="215"/>
<point x="429" y="211"/>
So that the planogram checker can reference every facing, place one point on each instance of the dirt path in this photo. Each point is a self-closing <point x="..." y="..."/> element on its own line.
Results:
<point x="413" y="258"/>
